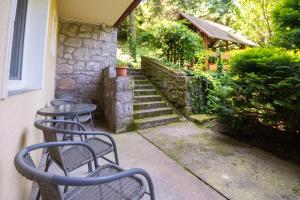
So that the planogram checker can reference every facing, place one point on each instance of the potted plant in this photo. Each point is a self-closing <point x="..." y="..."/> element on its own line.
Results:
<point x="121" y="68"/>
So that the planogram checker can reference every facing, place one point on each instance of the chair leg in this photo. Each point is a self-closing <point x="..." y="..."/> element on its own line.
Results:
<point x="38" y="195"/>
<point x="90" y="168"/>
<point x="92" y="122"/>
<point x="66" y="174"/>
<point x="48" y="162"/>
<point x="116" y="157"/>
<point x="151" y="190"/>
<point x="115" y="152"/>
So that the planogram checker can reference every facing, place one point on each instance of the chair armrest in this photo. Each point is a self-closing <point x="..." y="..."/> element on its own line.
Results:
<point x="88" y="181"/>
<point x="41" y="123"/>
<point x="29" y="171"/>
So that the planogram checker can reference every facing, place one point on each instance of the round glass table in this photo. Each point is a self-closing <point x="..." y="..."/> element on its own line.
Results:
<point x="67" y="109"/>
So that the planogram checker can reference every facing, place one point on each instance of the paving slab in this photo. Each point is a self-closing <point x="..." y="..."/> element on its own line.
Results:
<point x="171" y="181"/>
<point x="237" y="170"/>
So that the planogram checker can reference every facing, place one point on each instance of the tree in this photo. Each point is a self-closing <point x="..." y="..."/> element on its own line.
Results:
<point x="255" y="19"/>
<point x="287" y="20"/>
<point x="132" y="35"/>
<point x="176" y="42"/>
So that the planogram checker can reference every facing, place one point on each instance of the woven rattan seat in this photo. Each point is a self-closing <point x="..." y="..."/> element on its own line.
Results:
<point x="78" y="156"/>
<point x="107" y="182"/>
<point x="129" y="188"/>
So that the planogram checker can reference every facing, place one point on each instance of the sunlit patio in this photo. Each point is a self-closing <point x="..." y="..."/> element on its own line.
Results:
<point x="190" y="123"/>
<point x="171" y="180"/>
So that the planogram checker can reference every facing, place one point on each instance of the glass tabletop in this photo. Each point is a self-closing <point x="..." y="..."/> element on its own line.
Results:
<point x="67" y="109"/>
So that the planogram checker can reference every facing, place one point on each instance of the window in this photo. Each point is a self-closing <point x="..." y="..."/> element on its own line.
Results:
<point x="15" y="72"/>
<point x="26" y="52"/>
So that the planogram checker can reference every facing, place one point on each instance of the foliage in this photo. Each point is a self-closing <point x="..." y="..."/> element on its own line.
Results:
<point x="255" y="19"/>
<point x="132" y="36"/>
<point x="287" y="19"/>
<point x="220" y="64"/>
<point x="219" y="100"/>
<point x="121" y="63"/>
<point x="176" y="42"/>
<point x="250" y="17"/>
<point x="263" y="86"/>
<point x="169" y="64"/>
<point x="199" y="87"/>
<point x="266" y="87"/>
<point x="132" y="47"/>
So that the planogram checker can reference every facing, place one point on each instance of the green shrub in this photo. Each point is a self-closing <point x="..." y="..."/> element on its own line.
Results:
<point x="220" y="102"/>
<point x="265" y="86"/>
<point x="199" y="87"/>
<point x="176" y="42"/>
<point x="145" y="37"/>
<point x="286" y="18"/>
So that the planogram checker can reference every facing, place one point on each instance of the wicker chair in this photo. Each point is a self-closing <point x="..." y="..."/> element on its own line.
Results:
<point x="75" y="157"/>
<point x="107" y="182"/>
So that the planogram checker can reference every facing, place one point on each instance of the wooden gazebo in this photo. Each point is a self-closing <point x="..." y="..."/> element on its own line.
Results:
<point x="213" y="33"/>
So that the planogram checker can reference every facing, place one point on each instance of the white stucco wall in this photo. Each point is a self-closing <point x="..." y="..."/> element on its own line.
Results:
<point x="17" y="113"/>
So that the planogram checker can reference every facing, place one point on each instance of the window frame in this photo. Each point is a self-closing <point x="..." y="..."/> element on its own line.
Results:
<point x="17" y="51"/>
<point x="31" y="79"/>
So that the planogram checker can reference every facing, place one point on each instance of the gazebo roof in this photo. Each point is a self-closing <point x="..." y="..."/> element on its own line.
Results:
<point x="218" y="31"/>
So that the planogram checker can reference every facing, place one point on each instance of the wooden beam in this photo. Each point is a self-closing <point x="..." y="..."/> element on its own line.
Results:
<point x="227" y="46"/>
<point x="132" y="6"/>
<point x="205" y="40"/>
<point x="243" y="46"/>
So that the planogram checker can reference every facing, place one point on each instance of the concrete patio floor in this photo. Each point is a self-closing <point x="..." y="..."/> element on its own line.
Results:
<point x="237" y="170"/>
<point x="171" y="181"/>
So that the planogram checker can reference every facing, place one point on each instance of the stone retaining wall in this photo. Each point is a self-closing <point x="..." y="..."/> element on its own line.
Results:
<point x="172" y="83"/>
<point x="83" y="52"/>
<point x="117" y="100"/>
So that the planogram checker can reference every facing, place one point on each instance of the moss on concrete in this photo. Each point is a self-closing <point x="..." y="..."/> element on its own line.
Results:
<point x="237" y="170"/>
<point x="201" y="118"/>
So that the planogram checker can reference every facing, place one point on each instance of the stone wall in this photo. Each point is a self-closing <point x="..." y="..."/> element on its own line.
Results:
<point x="83" y="52"/>
<point x="117" y="100"/>
<point x="172" y="83"/>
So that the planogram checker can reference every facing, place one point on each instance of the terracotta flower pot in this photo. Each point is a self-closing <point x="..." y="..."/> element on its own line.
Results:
<point x="121" y="71"/>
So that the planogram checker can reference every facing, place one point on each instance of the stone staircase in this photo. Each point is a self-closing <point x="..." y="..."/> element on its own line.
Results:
<point x="150" y="109"/>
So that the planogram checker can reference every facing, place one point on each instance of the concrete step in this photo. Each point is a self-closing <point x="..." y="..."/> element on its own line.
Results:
<point x="149" y="105"/>
<point x="202" y="118"/>
<point x="147" y="98"/>
<point x="133" y="75"/>
<point x="141" y="82"/>
<point x="145" y="86"/>
<point x="156" y="121"/>
<point x="139" y="78"/>
<point x="134" y="70"/>
<point x="139" y="114"/>
<point x="142" y="92"/>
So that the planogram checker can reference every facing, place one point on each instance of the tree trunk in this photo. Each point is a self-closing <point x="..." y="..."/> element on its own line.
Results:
<point x="265" y="6"/>
<point x="132" y="35"/>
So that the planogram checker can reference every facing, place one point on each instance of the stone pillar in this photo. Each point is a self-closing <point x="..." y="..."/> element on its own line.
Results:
<point x="117" y="100"/>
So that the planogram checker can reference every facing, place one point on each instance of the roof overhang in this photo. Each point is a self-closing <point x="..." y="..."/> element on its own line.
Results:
<point x="217" y="31"/>
<point x="109" y="12"/>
